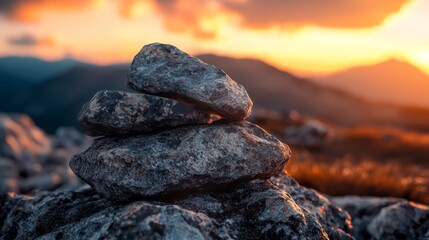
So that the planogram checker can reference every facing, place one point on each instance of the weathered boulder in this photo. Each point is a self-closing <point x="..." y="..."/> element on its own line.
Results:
<point x="164" y="70"/>
<point x="116" y="112"/>
<point x="251" y="210"/>
<point x="385" y="218"/>
<point x="335" y="221"/>
<point x="278" y="208"/>
<point x="180" y="160"/>
<point x="28" y="217"/>
<point x="84" y="215"/>
<point x="257" y="210"/>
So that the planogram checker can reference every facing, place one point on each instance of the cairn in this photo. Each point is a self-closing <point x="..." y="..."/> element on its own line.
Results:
<point x="161" y="169"/>
<point x="161" y="142"/>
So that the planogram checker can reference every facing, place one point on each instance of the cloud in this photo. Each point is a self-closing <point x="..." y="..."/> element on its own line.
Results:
<point x="323" y="13"/>
<point x="28" y="40"/>
<point x="199" y="17"/>
<point x="204" y="18"/>
<point x="183" y="16"/>
<point x="30" y="10"/>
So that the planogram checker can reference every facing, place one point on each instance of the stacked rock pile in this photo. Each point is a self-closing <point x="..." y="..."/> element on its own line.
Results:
<point x="161" y="142"/>
<point x="161" y="169"/>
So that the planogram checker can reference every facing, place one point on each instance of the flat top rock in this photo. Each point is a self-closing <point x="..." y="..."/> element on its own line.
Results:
<point x="117" y="112"/>
<point x="164" y="70"/>
<point x="180" y="160"/>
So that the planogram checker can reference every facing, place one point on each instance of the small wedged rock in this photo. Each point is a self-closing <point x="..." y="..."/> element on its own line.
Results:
<point x="117" y="112"/>
<point x="180" y="160"/>
<point x="385" y="218"/>
<point x="84" y="215"/>
<point x="164" y="70"/>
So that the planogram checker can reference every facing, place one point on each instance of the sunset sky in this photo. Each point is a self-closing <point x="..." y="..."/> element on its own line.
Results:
<point x="308" y="37"/>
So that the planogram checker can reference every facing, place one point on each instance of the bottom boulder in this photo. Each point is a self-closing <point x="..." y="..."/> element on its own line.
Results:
<point x="84" y="215"/>
<point x="254" y="210"/>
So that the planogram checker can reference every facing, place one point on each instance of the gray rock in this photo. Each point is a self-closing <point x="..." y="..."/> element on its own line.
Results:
<point x="254" y="210"/>
<point x="69" y="138"/>
<point x="335" y="221"/>
<point x="310" y="134"/>
<point x="275" y="215"/>
<point x="164" y="70"/>
<point x="48" y="181"/>
<point x="84" y="215"/>
<point x="180" y="160"/>
<point x="278" y="208"/>
<point x="116" y="112"/>
<point x="385" y="218"/>
<point x="403" y="220"/>
<point x="28" y="217"/>
<point x="257" y="210"/>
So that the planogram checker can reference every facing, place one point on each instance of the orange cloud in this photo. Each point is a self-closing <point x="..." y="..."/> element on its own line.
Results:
<point x="30" y="10"/>
<point x="183" y="16"/>
<point x="203" y="19"/>
<point x="193" y="15"/>
<point x="324" y="13"/>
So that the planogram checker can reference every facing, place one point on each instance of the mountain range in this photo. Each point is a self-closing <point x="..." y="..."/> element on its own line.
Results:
<point x="392" y="81"/>
<point x="19" y="73"/>
<point x="56" y="100"/>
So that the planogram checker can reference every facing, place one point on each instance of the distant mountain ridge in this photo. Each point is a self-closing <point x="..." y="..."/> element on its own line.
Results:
<point x="392" y="81"/>
<point x="35" y="70"/>
<point x="19" y="73"/>
<point x="56" y="101"/>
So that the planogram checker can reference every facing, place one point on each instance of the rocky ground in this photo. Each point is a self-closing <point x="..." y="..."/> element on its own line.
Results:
<point x="162" y="169"/>
<point x="32" y="160"/>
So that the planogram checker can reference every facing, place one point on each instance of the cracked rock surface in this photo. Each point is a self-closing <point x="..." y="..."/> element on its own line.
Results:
<point x="164" y="70"/>
<point x="117" y="113"/>
<point x="250" y="210"/>
<point x="192" y="158"/>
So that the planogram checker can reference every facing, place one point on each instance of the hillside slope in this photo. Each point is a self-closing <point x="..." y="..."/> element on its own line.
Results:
<point x="392" y="81"/>
<point x="272" y="88"/>
<point x="57" y="101"/>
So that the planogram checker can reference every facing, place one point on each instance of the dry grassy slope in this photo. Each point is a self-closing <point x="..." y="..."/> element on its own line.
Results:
<point x="274" y="89"/>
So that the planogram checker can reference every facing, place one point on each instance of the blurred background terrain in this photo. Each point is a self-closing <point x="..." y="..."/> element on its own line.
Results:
<point x="349" y="94"/>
